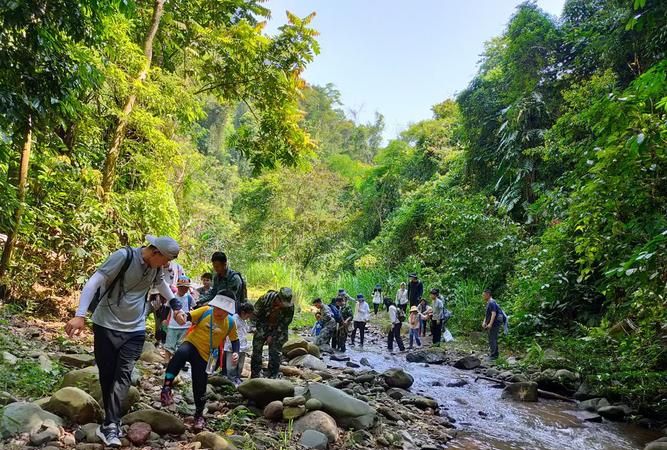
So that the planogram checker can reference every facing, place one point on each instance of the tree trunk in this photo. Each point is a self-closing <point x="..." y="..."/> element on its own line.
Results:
<point x="119" y="132"/>
<point x="21" y="188"/>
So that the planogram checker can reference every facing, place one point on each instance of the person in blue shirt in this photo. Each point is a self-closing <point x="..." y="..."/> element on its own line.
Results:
<point x="494" y="319"/>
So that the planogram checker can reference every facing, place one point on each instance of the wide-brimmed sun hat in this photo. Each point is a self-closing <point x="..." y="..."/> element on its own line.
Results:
<point x="223" y="302"/>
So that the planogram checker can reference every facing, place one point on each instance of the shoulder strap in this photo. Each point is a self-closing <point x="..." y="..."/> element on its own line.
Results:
<point x="129" y="254"/>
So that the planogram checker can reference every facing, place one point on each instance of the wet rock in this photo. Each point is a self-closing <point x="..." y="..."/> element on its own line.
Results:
<point x="314" y="350"/>
<point x="457" y="383"/>
<point x="522" y="391"/>
<point x="397" y="393"/>
<point x="352" y="364"/>
<point x="309" y="362"/>
<point x="274" y="410"/>
<point x="436" y="383"/>
<point x="589" y="417"/>
<point x="9" y="359"/>
<point x="78" y="361"/>
<point x="339" y="358"/>
<point x="593" y="404"/>
<point x="398" y="378"/>
<point x="492" y="372"/>
<point x="318" y="421"/>
<point x="294" y="401"/>
<point x="659" y="444"/>
<point x="424" y="402"/>
<point x="75" y="405"/>
<point x="265" y="390"/>
<point x="220" y="381"/>
<point x="506" y="375"/>
<point x="427" y="356"/>
<point x="49" y="431"/>
<point x="566" y="375"/>
<point x="366" y="377"/>
<point x="296" y="352"/>
<point x="294" y="344"/>
<point x="313" y="404"/>
<point x="24" y="417"/>
<point x="365" y="362"/>
<point x="293" y="412"/>
<point x="139" y="433"/>
<point x="468" y="363"/>
<point x="548" y="380"/>
<point x="348" y="411"/>
<point x="161" y="422"/>
<point x="614" y="412"/>
<point x="585" y="392"/>
<point x="213" y="441"/>
<point x="314" y="439"/>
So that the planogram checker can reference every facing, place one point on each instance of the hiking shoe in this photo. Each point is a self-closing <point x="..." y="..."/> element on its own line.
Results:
<point x="200" y="423"/>
<point x="108" y="434"/>
<point x="166" y="396"/>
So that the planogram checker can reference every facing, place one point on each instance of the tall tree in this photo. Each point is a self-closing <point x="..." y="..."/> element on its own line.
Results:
<point x="44" y="67"/>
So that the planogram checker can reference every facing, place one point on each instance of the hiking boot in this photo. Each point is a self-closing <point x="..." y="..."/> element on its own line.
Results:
<point x="166" y="396"/>
<point x="108" y="434"/>
<point x="199" y="424"/>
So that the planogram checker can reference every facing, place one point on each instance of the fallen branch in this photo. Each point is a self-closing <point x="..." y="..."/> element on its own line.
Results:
<point x="540" y="392"/>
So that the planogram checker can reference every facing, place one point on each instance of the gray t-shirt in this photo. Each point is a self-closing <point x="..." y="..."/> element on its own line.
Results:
<point x="130" y="314"/>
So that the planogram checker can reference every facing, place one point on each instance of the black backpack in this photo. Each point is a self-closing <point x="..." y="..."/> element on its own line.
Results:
<point x="243" y="290"/>
<point x="400" y="315"/>
<point x="129" y="254"/>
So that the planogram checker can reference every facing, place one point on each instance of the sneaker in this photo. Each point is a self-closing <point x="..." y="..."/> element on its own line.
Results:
<point x="166" y="396"/>
<point x="108" y="434"/>
<point x="200" y="423"/>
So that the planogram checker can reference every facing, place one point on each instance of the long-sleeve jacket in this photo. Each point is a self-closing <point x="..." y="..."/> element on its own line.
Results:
<point x="271" y="321"/>
<point x="231" y="281"/>
<point x="415" y="291"/>
<point x="362" y="312"/>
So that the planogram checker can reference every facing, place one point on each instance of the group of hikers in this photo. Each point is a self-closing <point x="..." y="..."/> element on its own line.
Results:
<point x="207" y="328"/>
<point x="333" y="321"/>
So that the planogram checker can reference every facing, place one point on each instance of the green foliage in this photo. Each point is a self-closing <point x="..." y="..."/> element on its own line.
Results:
<point x="27" y="379"/>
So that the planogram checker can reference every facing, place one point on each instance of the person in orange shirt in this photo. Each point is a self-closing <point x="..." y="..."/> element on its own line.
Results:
<point x="211" y="325"/>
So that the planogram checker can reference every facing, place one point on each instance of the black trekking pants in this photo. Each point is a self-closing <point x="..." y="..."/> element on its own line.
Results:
<point x="116" y="353"/>
<point x="361" y="326"/>
<point x="395" y="335"/>
<point x="189" y="353"/>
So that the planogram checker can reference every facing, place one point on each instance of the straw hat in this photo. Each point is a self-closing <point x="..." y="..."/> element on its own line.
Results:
<point x="414" y="309"/>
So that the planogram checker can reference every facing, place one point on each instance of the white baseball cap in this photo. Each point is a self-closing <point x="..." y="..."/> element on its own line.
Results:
<point x="223" y="302"/>
<point x="166" y="245"/>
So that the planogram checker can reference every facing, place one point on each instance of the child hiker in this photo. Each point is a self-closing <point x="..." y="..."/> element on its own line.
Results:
<point x="317" y="328"/>
<point x="211" y="325"/>
<point x="175" y="331"/>
<point x="241" y="318"/>
<point x="414" y="323"/>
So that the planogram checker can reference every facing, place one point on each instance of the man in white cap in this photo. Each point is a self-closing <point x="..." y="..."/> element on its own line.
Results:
<point x="202" y="348"/>
<point x="116" y="294"/>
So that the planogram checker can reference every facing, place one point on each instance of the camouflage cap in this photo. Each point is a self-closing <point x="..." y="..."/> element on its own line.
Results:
<point x="285" y="294"/>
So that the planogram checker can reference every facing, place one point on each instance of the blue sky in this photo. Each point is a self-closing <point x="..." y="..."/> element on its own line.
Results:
<point x="399" y="57"/>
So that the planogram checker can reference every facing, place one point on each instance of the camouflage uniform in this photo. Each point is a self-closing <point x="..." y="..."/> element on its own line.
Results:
<point x="344" y="328"/>
<point x="328" y="326"/>
<point x="271" y="322"/>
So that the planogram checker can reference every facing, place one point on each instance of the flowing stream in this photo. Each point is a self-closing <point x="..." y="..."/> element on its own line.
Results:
<point x="487" y="422"/>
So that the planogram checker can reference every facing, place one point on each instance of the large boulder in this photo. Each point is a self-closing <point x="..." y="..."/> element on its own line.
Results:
<point x="309" y="362"/>
<point x="593" y="404"/>
<point x="213" y="441"/>
<point x="560" y="381"/>
<point x="468" y="363"/>
<point x="265" y="390"/>
<point x="614" y="412"/>
<point x="296" y="353"/>
<point x="24" y="417"/>
<point x="431" y="356"/>
<point x="314" y="439"/>
<point x="88" y="380"/>
<point x="76" y="405"/>
<point x="398" y="378"/>
<point x="659" y="444"/>
<point x="318" y="421"/>
<point x="348" y="411"/>
<point x="525" y="391"/>
<point x="78" y="361"/>
<point x="161" y="422"/>
<point x="293" y="344"/>
<point x="314" y="350"/>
